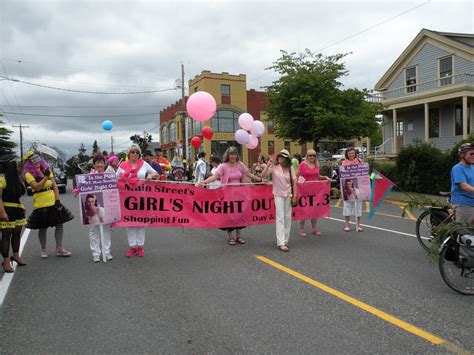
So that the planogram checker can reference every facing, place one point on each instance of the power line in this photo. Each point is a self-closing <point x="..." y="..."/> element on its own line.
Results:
<point x="88" y="92"/>
<point x="83" y="116"/>
<point x="373" y="26"/>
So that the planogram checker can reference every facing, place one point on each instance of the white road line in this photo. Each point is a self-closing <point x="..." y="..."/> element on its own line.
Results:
<point x="7" y="278"/>
<point x="373" y="227"/>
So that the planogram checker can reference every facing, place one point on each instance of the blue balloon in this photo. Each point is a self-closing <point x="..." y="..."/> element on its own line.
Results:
<point x="107" y="125"/>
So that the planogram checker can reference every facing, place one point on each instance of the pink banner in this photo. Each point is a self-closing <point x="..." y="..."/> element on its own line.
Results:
<point x="158" y="204"/>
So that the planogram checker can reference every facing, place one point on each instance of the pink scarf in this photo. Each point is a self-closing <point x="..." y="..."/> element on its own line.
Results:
<point x="130" y="174"/>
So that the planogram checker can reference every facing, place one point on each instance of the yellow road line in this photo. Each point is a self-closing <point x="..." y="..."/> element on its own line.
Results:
<point x="372" y="310"/>
<point x="367" y="206"/>
<point x="338" y="203"/>
<point x="409" y="214"/>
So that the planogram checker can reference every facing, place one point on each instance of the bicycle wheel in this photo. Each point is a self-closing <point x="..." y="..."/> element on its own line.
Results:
<point x="459" y="279"/>
<point x="423" y="230"/>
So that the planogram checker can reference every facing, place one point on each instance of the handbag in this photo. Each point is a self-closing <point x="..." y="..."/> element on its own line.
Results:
<point x="295" y="203"/>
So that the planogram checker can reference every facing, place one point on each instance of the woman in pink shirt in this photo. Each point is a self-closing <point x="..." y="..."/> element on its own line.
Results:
<point x="308" y="170"/>
<point x="231" y="172"/>
<point x="284" y="192"/>
<point x="352" y="207"/>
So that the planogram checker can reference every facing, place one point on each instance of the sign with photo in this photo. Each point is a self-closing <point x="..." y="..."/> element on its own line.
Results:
<point x="355" y="182"/>
<point x="99" y="200"/>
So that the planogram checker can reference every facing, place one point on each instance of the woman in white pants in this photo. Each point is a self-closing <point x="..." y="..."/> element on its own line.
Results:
<point x="130" y="171"/>
<point x="94" y="215"/>
<point x="284" y="192"/>
<point x="352" y="206"/>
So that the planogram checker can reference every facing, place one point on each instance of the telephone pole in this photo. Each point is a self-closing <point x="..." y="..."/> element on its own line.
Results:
<point x="183" y="120"/>
<point x="21" y="138"/>
<point x="111" y="144"/>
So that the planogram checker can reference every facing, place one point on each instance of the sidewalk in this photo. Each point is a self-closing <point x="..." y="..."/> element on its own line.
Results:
<point x="399" y="197"/>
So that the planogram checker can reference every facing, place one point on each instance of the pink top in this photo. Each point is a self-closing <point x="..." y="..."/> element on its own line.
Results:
<point x="308" y="173"/>
<point x="281" y="180"/>
<point x="348" y="162"/>
<point x="231" y="175"/>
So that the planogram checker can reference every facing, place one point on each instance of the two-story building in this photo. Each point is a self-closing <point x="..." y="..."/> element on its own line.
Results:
<point x="232" y="98"/>
<point x="428" y="92"/>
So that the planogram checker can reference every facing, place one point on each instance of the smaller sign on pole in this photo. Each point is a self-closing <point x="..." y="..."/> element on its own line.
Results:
<point x="355" y="182"/>
<point x="99" y="201"/>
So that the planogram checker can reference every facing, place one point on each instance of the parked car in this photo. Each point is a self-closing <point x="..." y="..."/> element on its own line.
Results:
<point x="50" y="156"/>
<point x="341" y="154"/>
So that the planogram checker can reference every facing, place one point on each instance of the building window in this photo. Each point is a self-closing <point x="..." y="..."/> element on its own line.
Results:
<point x="399" y="128"/>
<point x="225" y="90"/>
<point x="446" y="71"/>
<point x="225" y="121"/>
<point x="434" y="122"/>
<point x="270" y="126"/>
<point x="458" y="113"/>
<point x="271" y="147"/>
<point x="197" y="127"/>
<point x="288" y="146"/>
<point x="173" y="132"/>
<point x="410" y="79"/>
<point x="164" y="135"/>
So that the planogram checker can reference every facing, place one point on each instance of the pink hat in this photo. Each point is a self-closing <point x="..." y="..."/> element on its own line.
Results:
<point x="111" y="159"/>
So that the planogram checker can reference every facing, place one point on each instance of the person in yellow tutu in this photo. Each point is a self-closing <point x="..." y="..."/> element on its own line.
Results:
<point x="12" y="212"/>
<point x="47" y="208"/>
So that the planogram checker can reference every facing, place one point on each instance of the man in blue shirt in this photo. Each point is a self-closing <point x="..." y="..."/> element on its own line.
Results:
<point x="462" y="185"/>
<point x="148" y="157"/>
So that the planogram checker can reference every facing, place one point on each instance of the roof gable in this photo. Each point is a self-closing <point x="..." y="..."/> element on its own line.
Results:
<point x="450" y="42"/>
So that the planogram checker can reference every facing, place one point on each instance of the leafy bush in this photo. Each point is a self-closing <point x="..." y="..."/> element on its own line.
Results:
<point x="388" y="169"/>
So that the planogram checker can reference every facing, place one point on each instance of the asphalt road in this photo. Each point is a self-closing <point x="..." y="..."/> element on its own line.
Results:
<point x="193" y="293"/>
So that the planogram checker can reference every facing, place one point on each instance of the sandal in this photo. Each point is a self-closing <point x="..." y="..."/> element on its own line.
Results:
<point x="302" y="233"/>
<point x="347" y="229"/>
<point x="316" y="232"/>
<point x="231" y="241"/>
<point x="359" y="229"/>
<point x="240" y="240"/>
<point x="283" y="248"/>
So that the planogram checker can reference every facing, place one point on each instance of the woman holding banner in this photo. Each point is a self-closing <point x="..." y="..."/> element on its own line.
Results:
<point x="130" y="171"/>
<point x="308" y="170"/>
<point x="284" y="191"/>
<point x="352" y="207"/>
<point x="231" y="172"/>
<point x="47" y="208"/>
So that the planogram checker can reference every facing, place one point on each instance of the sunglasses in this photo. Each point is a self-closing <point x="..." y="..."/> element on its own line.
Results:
<point x="311" y="155"/>
<point x="134" y="152"/>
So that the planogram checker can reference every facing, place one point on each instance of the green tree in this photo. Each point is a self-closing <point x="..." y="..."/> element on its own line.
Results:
<point x="142" y="141"/>
<point x="6" y="145"/>
<point x="72" y="164"/>
<point x="308" y="101"/>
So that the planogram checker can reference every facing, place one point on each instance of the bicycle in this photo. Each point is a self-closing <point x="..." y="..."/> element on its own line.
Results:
<point x="430" y="219"/>
<point x="456" y="260"/>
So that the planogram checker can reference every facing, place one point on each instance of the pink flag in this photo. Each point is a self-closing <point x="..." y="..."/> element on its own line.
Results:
<point x="380" y="187"/>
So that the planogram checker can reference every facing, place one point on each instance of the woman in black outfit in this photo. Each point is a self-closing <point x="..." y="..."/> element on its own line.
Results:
<point x="12" y="212"/>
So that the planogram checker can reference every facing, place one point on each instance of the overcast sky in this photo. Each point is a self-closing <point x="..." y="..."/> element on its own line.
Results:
<point x="132" y="46"/>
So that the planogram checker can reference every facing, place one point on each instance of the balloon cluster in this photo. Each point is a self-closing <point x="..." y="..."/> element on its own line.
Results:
<point x="256" y="128"/>
<point x="201" y="106"/>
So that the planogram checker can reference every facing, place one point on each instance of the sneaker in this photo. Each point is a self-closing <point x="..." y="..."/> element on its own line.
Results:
<point x="108" y="257"/>
<point x="316" y="232"/>
<point x="62" y="252"/>
<point x="132" y="252"/>
<point x="140" y="251"/>
<point x="302" y="233"/>
<point x="44" y="254"/>
<point x="96" y="258"/>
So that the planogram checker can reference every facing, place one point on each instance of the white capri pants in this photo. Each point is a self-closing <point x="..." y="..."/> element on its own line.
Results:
<point x="283" y="219"/>
<point x="352" y="208"/>
<point x="136" y="236"/>
<point x="94" y="239"/>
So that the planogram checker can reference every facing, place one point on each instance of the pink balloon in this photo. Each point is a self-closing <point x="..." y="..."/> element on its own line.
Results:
<point x="242" y="136"/>
<point x="253" y="142"/>
<point x="201" y="106"/>
<point x="258" y="128"/>
<point x="246" y="121"/>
